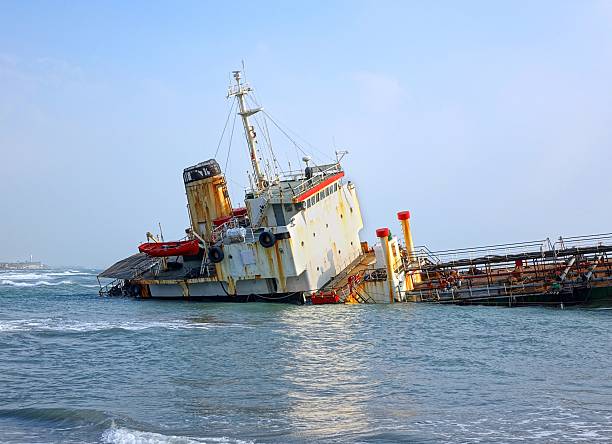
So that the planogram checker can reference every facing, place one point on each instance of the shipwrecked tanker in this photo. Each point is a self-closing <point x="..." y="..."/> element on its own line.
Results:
<point x="296" y="238"/>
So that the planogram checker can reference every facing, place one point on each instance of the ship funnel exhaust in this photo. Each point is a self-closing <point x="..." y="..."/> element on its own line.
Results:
<point x="207" y="196"/>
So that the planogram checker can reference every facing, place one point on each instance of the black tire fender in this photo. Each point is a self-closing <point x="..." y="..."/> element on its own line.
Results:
<point x="215" y="254"/>
<point x="267" y="239"/>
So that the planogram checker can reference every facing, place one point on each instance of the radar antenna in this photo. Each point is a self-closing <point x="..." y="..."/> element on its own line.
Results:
<point x="240" y="90"/>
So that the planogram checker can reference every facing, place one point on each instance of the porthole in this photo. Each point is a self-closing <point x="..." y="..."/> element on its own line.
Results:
<point x="302" y="243"/>
<point x="326" y="225"/>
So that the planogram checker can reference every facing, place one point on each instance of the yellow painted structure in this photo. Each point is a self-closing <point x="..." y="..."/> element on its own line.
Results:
<point x="383" y="235"/>
<point x="411" y="278"/>
<point x="207" y="197"/>
<point x="404" y="218"/>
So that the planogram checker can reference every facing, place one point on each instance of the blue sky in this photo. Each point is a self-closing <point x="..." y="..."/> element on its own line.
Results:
<point x="490" y="121"/>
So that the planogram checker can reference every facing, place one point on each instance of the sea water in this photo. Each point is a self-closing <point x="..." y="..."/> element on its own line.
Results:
<point x="76" y="367"/>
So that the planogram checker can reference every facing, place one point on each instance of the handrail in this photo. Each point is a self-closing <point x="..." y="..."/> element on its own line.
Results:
<point x="219" y="232"/>
<point x="304" y="184"/>
<point x="585" y="240"/>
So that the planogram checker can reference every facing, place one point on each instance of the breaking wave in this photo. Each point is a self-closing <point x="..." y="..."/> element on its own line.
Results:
<point x="30" y="276"/>
<point x="13" y="283"/>
<point x="71" y="273"/>
<point x="121" y="435"/>
<point x="72" y="326"/>
<point x="46" y="278"/>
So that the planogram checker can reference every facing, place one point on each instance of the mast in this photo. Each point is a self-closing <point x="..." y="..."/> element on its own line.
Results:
<point x="240" y="90"/>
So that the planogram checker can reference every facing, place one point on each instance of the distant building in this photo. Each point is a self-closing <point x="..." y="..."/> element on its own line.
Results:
<point x="25" y="265"/>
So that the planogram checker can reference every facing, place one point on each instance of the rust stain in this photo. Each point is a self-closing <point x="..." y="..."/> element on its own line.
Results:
<point x="208" y="199"/>
<point x="222" y="277"/>
<point x="184" y="288"/>
<point x="270" y="259"/>
<point x="281" y="273"/>
<point x="145" y="292"/>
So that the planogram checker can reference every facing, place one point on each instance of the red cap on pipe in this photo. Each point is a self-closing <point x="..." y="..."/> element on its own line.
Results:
<point x="403" y="215"/>
<point x="382" y="232"/>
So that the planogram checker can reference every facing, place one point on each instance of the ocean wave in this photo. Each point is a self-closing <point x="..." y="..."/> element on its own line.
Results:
<point x="13" y="283"/>
<point x="57" y="415"/>
<point x="556" y="424"/>
<point x="24" y="276"/>
<point x="70" y="273"/>
<point x="70" y="326"/>
<point x="121" y="435"/>
<point x="30" y="276"/>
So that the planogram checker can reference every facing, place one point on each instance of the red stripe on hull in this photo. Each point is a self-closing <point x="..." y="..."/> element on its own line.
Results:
<point x="314" y="190"/>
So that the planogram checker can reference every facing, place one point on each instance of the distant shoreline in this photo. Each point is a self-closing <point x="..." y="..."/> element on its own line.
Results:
<point x="21" y="265"/>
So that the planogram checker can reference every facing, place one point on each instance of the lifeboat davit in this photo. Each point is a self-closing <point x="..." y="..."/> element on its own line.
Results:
<point x="165" y="249"/>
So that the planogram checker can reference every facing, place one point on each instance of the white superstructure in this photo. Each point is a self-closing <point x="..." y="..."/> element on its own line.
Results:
<point x="296" y="232"/>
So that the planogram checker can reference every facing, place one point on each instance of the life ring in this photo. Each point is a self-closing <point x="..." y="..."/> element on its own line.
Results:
<point x="267" y="239"/>
<point x="215" y="254"/>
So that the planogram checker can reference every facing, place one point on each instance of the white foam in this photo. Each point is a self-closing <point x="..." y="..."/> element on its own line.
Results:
<point x="24" y="276"/>
<point x="31" y="276"/>
<point x="70" y="273"/>
<point x="13" y="283"/>
<point x="64" y="325"/>
<point x="121" y="435"/>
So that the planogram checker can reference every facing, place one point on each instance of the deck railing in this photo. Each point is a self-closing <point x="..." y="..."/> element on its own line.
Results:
<point x="513" y="270"/>
<point x="284" y="187"/>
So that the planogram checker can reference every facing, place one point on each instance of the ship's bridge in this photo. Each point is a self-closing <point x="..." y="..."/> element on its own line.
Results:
<point x="293" y="192"/>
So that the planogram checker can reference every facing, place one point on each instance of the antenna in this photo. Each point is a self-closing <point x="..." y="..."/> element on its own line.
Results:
<point x="240" y="90"/>
<point x="340" y="155"/>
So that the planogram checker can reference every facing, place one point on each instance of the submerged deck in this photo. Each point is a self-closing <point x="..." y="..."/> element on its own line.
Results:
<point x="571" y="271"/>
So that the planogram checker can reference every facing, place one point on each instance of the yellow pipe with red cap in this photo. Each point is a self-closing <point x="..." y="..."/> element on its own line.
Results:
<point x="383" y="235"/>
<point x="404" y="218"/>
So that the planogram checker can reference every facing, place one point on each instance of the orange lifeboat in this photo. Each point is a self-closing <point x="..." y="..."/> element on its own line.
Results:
<point x="165" y="249"/>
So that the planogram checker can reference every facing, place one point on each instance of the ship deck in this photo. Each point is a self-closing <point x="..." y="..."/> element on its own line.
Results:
<point x="570" y="271"/>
